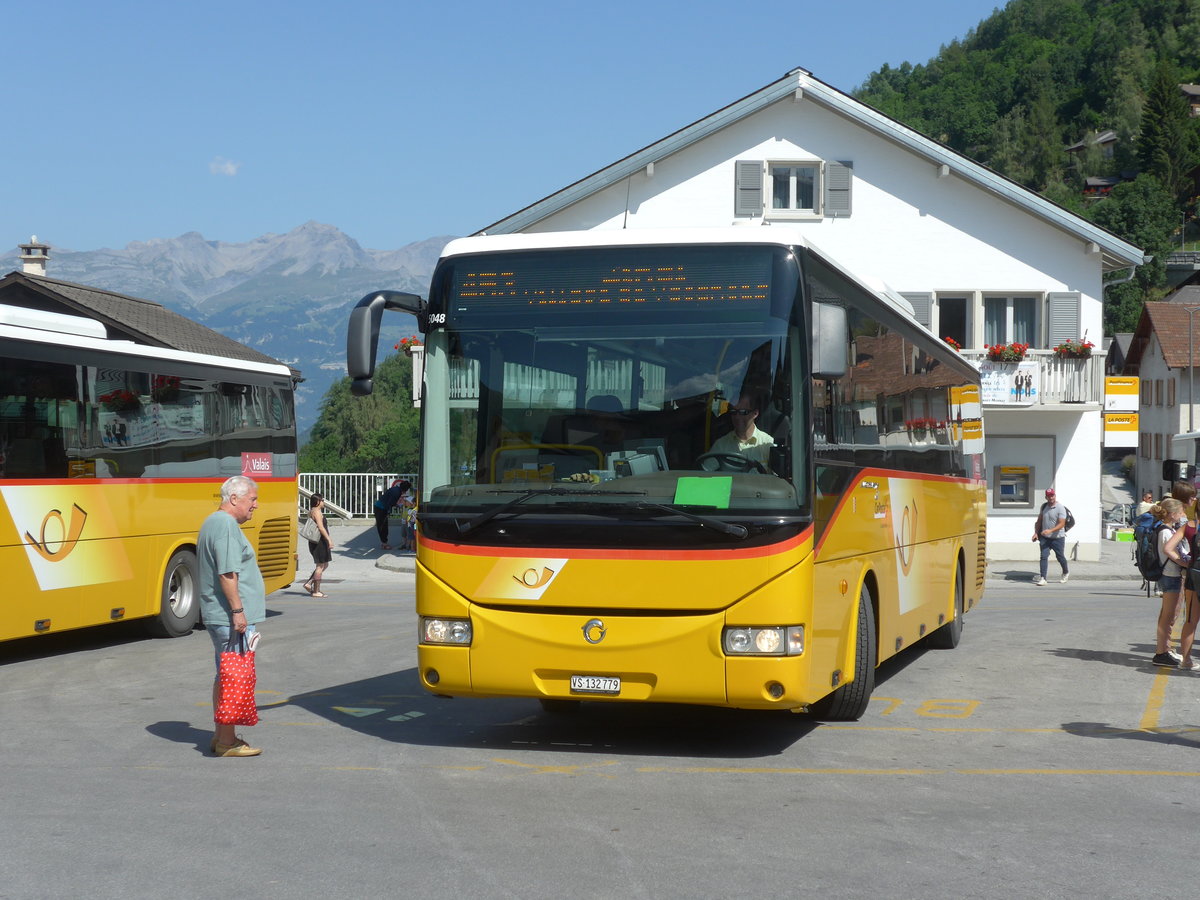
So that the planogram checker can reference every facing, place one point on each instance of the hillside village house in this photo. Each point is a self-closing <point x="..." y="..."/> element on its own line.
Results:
<point x="980" y="258"/>
<point x="1163" y="355"/>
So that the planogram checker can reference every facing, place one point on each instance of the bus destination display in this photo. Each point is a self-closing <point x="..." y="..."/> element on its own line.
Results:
<point x="715" y="277"/>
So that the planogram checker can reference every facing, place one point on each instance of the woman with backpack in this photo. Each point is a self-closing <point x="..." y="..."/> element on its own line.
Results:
<point x="1185" y="493"/>
<point x="1169" y="534"/>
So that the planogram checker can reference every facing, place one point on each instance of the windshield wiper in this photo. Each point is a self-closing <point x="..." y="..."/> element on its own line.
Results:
<point x="736" y="531"/>
<point x="729" y="528"/>
<point x="465" y="528"/>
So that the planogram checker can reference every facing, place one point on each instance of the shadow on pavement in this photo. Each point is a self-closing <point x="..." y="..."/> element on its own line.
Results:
<point x="1184" y="735"/>
<point x="394" y="707"/>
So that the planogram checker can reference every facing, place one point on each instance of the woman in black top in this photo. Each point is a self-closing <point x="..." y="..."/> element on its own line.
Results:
<point x="320" y="550"/>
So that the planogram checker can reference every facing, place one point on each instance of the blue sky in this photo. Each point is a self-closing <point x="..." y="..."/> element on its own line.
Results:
<point x="393" y="121"/>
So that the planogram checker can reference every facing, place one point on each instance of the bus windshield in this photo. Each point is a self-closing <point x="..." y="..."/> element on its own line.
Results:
<point x="598" y="379"/>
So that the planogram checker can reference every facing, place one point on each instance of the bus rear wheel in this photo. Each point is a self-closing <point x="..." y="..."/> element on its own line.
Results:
<point x="179" y="608"/>
<point x="849" y="701"/>
<point x="947" y="636"/>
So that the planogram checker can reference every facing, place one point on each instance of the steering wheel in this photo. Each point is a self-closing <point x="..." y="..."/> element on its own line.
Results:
<point x="730" y="462"/>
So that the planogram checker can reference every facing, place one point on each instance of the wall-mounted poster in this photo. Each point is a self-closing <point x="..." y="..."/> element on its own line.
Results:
<point x="1009" y="384"/>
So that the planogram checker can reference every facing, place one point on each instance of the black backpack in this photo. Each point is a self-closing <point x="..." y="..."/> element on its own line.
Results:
<point x="1067" y="526"/>
<point x="1146" y="557"/>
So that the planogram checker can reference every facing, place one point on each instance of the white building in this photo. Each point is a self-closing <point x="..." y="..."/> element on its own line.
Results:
<point x="1163" y="355"/>
<point x="982" y="259"/>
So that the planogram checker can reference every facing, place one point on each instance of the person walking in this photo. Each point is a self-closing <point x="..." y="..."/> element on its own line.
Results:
<point x="1172" y="515"/>
<point x="383" y="508"/>
<point x="233" y="597"/>
<point x="320" y="550"/>
<point x="1050" y="531"/>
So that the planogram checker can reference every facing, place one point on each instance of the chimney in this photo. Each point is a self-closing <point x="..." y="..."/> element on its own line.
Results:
<point x="34" y="257"/>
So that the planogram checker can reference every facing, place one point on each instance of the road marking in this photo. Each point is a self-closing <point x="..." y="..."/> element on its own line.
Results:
<point x="358" y="712"/>
<point x="1154" y="702"/>
<point x="560" y="770"/>
<point x="754" y="770"/>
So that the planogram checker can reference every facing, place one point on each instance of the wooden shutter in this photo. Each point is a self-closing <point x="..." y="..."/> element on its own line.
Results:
<point x="838" y="178"/>
<point x="748" y="187"/>
<point x="1063" y="316"/>
<point x="922" y="305"/>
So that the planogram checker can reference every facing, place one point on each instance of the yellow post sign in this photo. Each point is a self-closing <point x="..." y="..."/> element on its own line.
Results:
<point x="1120" y="429"/>
<point x="1121" y="394"/>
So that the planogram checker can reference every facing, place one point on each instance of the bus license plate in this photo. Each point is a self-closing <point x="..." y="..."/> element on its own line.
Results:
<point x="595" y="684"/>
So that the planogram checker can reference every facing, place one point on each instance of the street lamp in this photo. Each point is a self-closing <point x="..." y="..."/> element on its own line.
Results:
<point x="1191" y="370"/>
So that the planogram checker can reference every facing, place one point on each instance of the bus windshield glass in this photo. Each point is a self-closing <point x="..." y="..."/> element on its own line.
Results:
<point x="607" y="383"/>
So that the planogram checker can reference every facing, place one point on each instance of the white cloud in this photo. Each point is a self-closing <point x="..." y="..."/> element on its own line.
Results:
<point x="222" y="166"/>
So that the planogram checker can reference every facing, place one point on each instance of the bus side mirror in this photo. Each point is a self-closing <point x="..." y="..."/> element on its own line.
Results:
<point x="362" y="337"/>
<point x="830" y="336"/>
<point x="1177" y="470"/>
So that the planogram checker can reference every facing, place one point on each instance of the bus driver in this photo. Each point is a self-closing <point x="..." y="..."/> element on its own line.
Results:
<point x="746" y="439"/>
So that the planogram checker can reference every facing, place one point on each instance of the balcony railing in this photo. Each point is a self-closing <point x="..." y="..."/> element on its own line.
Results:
<point x="1054" y="379"/>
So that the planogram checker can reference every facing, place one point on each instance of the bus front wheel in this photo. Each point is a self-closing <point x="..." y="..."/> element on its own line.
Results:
<point x="179" y="608"/>
<point x="848" y="702"/>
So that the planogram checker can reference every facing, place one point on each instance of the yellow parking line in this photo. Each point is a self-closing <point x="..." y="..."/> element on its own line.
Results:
<point x="1154" y="703"/>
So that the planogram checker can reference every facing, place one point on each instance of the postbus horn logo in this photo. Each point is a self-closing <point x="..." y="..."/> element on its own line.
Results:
<point x="70" y="535"/>
<point x="531" y="579"/>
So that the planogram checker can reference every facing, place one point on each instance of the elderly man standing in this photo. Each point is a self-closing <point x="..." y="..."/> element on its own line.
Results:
<point x="233" y="597"/>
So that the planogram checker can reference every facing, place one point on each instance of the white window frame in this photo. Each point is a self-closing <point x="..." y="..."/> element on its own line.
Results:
<point x="792" y="213"/>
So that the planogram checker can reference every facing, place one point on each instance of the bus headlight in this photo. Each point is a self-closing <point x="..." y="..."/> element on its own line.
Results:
<point x="445" y="631"/>
<point x="772" y="640"/>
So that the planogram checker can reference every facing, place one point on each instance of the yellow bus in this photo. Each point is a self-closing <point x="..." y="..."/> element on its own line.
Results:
<point x="111" y="455"/>
<point x="700" y="466"/>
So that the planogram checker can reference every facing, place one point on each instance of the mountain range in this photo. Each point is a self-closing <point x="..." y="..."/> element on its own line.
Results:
<point x="288" y="295"/>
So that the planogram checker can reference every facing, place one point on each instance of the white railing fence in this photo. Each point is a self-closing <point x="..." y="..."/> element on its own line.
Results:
<point x="350" y="495"/>
<point x="1060" y="380"/>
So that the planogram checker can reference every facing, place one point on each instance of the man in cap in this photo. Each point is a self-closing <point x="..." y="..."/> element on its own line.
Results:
<point x="1050" y="531"/>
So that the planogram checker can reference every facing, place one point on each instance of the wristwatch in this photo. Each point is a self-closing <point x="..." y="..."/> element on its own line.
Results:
<point x="234" y="612"/>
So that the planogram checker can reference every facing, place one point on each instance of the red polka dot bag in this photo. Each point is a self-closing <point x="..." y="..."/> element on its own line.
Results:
<point x="237" y="706"/>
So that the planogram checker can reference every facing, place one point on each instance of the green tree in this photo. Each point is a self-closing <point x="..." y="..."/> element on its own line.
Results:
<point x="1167" y="146"/>
<point x="1142" y="212"/>
<point x="376" y="433"/>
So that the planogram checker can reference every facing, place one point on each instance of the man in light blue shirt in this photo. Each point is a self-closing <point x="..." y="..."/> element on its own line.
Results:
<point x="233" y="597"/>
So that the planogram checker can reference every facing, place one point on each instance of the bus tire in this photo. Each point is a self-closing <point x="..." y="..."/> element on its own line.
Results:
<point x="179" y="608"/>
<point x="848" y="702"/>
<point x="948" y="635"/>
<point x="558" y="707"/>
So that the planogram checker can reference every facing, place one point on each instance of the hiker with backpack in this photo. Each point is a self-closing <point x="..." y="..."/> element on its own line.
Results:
<point x="1050" y="531"/>
<point x="1172" y="553"/>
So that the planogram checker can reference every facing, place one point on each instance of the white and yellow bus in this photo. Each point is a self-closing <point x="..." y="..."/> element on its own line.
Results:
<point x="111" y="455"/>
<point x="590" y="530"/>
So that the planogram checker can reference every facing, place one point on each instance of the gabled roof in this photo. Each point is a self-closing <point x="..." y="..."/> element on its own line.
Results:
<point x="799" y="84"/>
<point x="1169" y="322"/>
<point x="130" y="318"/>
<point x="1104" y="137"/>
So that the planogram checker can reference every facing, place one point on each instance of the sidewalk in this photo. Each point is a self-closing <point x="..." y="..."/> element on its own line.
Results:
<point x="1115" y="564"/>
<point x="357" y="555"/>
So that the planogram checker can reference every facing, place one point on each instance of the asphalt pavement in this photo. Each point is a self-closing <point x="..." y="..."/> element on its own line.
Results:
<point x="357" y="556"/>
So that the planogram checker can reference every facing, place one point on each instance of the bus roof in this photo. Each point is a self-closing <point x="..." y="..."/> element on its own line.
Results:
<point x="55" y="334"/>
